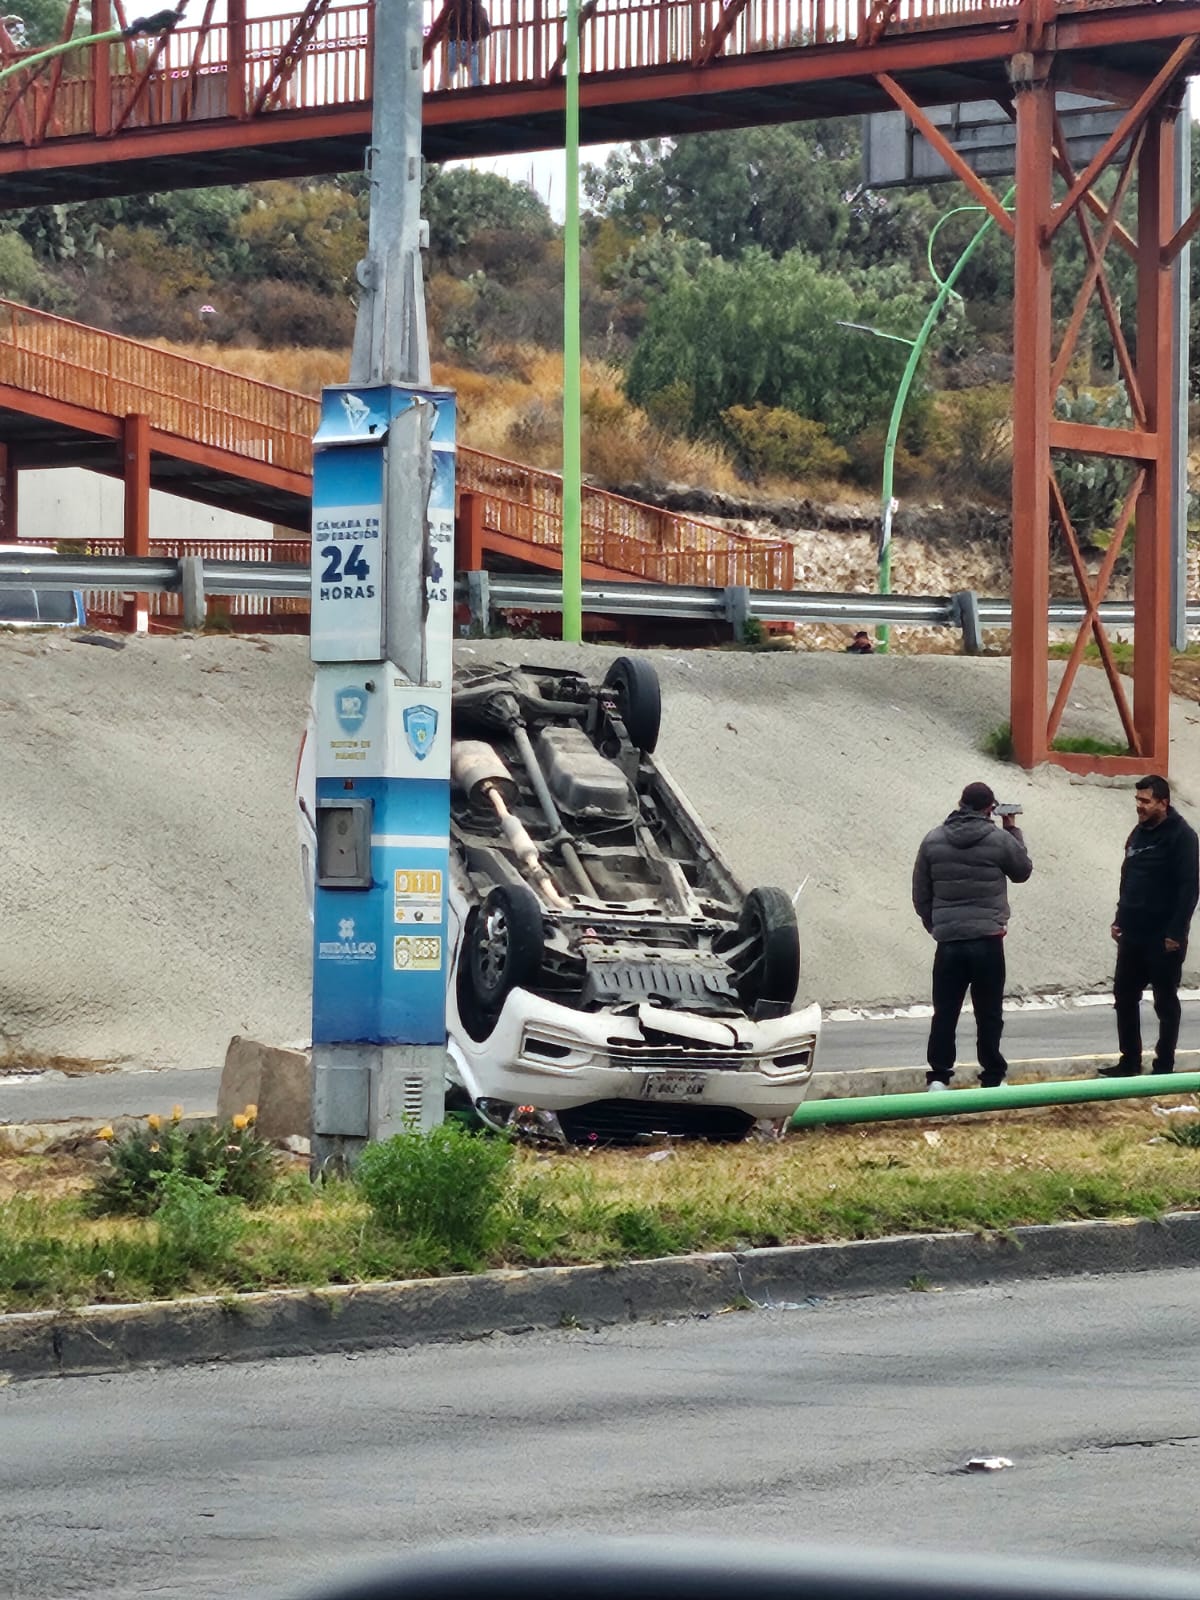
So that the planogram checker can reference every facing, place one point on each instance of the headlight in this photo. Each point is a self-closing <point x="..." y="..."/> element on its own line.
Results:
<point x="789" y="1062"/>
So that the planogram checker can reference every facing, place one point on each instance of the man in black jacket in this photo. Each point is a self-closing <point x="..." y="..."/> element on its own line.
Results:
<point x="960" y="893"/>
<point x="1160" y="884"/>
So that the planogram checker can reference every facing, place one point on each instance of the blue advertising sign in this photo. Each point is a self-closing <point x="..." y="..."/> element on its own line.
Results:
<point x="347" y="554"/>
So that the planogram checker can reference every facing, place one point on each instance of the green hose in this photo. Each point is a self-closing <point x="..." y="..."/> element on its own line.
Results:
<point x="1008" y="1097"/>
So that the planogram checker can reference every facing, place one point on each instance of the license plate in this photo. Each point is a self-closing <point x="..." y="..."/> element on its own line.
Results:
<point x="674" y="1085"/>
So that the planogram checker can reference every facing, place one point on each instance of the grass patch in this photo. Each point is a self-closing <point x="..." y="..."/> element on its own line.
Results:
<point x="825" y="1184"/>
<point x="1122" y="652"/>
<point x="1086" y="745"/>
<point x="998" y="743"/>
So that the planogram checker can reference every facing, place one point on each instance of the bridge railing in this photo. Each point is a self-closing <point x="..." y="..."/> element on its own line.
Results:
<point x="220" y="70"/>
<point x="624" y="535"/>
<point x="166" y="606"/>
<point x="257" y="422"/>
<point x="105" y="372"/>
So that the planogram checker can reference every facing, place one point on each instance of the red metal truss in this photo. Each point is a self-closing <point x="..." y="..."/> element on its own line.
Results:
<point x="1145" y="444"/>
<point x="715" y="43"/>
<point x="558" y="65"/>
<point x="1165" y="82"/>
<point x="957" y="163"/>
<point x="270" y="96"/>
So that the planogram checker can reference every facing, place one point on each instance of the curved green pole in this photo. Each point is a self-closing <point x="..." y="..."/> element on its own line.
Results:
<point x="916" y="351"/>
<point x="161" y="22"/>
<point x="59" y="49"/>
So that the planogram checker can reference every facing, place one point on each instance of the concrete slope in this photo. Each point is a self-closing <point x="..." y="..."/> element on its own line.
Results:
<point x="150" y="904"/>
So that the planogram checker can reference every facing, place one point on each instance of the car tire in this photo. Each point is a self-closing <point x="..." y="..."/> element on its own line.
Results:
<point x="505" y="945"/>
<point x="772" y="969"/>
<point x="639" y="699"/>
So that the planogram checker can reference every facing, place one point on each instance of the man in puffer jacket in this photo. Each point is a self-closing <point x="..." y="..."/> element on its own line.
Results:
<point x="1160" y="882"/>
<point x="960" y="893"/>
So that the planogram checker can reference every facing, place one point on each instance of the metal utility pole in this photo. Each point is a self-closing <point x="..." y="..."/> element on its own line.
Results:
<point x="382" y="577"/>
<point x="572" y="501"/>
<point x="1181" y="302"/>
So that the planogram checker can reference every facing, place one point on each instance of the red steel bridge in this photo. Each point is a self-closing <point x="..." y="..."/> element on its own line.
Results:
<point x="231" y="98"/>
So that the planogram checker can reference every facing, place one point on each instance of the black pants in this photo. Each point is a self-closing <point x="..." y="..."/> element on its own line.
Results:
<point x="959" y="965"/>
<point x="1142" y="962"/>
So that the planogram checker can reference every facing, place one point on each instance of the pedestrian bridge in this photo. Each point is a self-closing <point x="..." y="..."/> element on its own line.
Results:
<point x="250" y="97"/>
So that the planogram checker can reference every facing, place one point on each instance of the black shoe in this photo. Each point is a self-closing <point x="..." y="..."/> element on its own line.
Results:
<point x="1121" y="1070"/>
<point x="1161" y="1072"/>
<point x="992" y="1083"/>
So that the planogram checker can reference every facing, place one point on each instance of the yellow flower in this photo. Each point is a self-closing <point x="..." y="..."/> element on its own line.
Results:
<point x="154" y="1122"/>
<point x="251" y="1113"/>
<point x="176" y="1113"/>
<point x="240" y="1121"/>
<point x="106" y="1133"/>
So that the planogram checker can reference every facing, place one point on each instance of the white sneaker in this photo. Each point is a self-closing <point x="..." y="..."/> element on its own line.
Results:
<point x="936" y="1086"/>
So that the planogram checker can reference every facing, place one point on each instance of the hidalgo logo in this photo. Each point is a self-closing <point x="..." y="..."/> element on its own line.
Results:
<point x="346" y="947"/>
<point x="357" y="411"/>
<point x="350" y="707"/>
<point x="420" y="729"/>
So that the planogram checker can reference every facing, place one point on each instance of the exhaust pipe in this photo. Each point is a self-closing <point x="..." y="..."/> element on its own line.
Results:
<point x="480" y="773"/>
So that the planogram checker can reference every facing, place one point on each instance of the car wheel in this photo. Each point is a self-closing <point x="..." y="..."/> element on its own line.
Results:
<point x="505" y="944"/>
<point x="639" y="699"/>
<point x="770" y="968"/>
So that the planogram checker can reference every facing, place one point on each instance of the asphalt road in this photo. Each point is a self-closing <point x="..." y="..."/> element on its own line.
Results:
<point x="846" y="1045"/>
<point x="841" y="1421"/>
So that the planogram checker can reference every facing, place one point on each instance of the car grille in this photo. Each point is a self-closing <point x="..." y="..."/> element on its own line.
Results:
<point x="624" y="1121"/>
<point x="657" y="1057"/>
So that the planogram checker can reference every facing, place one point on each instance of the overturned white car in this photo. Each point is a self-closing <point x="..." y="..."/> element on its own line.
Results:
<point x="608" y="977"/>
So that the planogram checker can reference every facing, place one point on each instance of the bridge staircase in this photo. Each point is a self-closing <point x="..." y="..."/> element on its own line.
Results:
<point x="71" y="395"/>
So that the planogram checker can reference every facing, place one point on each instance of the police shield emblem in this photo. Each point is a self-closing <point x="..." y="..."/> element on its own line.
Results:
<point x="350" y="707"/>
<point x="420" y="728"/>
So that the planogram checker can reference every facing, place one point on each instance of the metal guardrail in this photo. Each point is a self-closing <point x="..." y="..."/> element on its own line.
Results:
<point x="487" y="593"/>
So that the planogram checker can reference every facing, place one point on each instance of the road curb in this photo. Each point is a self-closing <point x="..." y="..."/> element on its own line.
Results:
<point x="865" y="1081"/>
<point x="107" y="1339"/>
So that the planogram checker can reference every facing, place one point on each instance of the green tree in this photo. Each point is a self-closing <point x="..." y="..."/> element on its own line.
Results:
<point x="193" y="219"/>
<point x="764" y="332"/>
<point x="21" y="278"/>
<point x="311" y="234"/>
<point x="44" y="20"/>
<point x="461" y="204"/>
<point x="772" y="189"/>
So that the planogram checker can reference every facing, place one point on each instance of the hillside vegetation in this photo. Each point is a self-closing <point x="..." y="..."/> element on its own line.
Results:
<point x="734" y="285"/>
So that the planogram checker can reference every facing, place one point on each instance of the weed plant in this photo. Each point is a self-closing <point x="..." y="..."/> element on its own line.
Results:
<point x="442" y="1189"/>
<point x="199" y="1228"/>
<point x="228" y="1157"/>
<point x="998" y="742"/>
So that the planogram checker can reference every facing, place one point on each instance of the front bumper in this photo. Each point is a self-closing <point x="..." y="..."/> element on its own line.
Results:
<point x="554" y="1057"/>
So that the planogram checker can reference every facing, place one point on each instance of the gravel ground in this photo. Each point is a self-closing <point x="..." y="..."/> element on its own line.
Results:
<point x="151" y="907"/>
